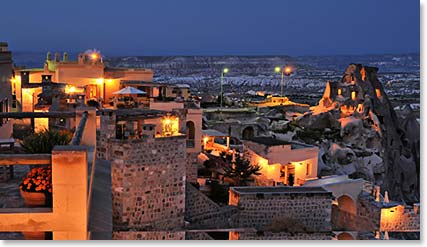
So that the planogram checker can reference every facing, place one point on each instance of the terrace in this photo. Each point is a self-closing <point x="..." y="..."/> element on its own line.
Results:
<point x="73" y="168"/>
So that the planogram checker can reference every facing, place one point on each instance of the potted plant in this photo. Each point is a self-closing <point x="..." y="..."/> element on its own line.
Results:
<point x="36" y="190"/>
<point x="36" y="187"/>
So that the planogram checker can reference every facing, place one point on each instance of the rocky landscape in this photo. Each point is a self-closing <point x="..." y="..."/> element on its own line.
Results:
<point x="361" y="135"/>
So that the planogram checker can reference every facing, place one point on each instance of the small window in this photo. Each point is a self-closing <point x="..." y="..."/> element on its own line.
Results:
<point x="308" y="169"/>
<point x="260" y="196"/>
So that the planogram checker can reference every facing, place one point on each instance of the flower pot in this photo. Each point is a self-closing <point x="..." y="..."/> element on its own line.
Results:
<point x="34" y="198"/>
<point x="34" y="235"/>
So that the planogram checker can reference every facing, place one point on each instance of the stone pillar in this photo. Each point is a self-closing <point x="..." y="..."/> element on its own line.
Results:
<point x="70" y="186"/>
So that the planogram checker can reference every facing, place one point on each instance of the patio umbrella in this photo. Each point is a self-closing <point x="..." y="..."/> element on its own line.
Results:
<point x="130" y="90"/>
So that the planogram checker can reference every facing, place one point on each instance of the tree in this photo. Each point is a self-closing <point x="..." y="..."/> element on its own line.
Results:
<point x="238" y="169"/>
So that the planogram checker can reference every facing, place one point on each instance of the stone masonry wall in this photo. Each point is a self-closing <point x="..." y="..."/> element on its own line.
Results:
<point x="158" y="235"/>
<point x="279" y="236"/>
<point x="107" y="131"/>
<point x="148" y="183"/>
<point x="191" y="168"/>
<point x="197" y="236"/>
<point x="203" y="213"/>
<point x="400" y="219"/>
<point x="310" y="209"/>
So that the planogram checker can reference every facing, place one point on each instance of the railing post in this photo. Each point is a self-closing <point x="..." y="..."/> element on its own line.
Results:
<point x="89" y="132"/>
<point x="69" y="183"/>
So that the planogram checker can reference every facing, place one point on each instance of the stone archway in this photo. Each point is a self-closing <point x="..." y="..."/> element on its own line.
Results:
<point x="248" y="133"/>
<point x="347" y="204"/>
<point x="345" y="236"/>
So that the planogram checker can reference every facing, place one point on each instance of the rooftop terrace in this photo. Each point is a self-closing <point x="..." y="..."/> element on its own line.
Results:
<point x="278" y="190"/>
<point x="271" y="141"/>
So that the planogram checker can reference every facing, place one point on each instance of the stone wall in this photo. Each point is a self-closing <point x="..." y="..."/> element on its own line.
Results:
<point x="107" y="131"/>
<point x="191" y="167"/>
<point x="400" y="219"/>
<point x="311" y="210"/>
<point x="279" y="236"/>
<point x="368" y="208"/>
<point x="197" y="236"/>
<point x="203" y="213"/>
<point x="148" y="183"/>
<point x="156" y="235"/>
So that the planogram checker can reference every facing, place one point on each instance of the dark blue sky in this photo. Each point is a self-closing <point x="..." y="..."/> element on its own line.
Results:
<point x="213" y="27"/>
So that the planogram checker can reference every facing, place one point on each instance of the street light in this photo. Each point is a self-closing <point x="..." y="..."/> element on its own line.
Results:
<point x="223" y="72"/>
<point x="287" y="70"/>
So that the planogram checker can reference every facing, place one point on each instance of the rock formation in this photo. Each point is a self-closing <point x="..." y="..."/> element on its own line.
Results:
<point x="373" y="142"/>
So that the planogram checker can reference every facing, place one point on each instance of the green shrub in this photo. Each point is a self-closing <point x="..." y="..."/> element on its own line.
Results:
<point x="43" y="142"/>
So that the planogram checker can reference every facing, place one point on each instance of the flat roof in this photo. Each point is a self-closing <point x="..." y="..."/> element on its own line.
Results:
<point x="268" y="141"/>
<point x="278" y="190"/>
<point x="212" y="132"/>
<point x="272" y="141"/>
<point x="141" y="83"/>
<point x="135" y="113"/>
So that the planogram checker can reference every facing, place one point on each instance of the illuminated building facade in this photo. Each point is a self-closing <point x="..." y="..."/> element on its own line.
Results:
<point x="6" y="83"/>
<point x="281" y="162"/>
<point x="88" y="74"/>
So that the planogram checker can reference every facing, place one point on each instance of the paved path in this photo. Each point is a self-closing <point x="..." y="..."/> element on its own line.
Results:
<point x="101" y="215"/>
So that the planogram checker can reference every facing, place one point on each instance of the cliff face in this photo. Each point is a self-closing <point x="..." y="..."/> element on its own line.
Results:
<point x="373" y="142"/>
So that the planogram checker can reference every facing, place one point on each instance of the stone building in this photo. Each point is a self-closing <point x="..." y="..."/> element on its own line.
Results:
<point x="88" y="74"/>
<point x="282" y="212"/>
<point x="281" y="162"/>
<point x="148" y="169"/>
<point x="242" y="123"/>
<point x="6" y="86"/>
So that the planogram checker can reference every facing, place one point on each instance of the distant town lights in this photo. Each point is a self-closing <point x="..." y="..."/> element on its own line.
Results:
<point x="277" y="69"/>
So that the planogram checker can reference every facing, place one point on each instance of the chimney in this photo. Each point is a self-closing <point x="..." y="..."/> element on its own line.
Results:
<point x="25" y="77"/>
<point x="65" y="57"/>
<point x="81" y="58"/>
<point x="57" y="56"/>
<point x="3" y="47"/>
<point x="48" y="56"/>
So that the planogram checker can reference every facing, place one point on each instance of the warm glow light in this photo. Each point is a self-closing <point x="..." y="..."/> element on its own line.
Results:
<point x="339" y="91"/>
<point x="70" y="89"/>
<point x="109" y="80"/>
<point x="225" y="70"/>
<point x="288" y="70"/>
<point x="353" y="95"/>
<point x="170" y="126"/>
<point x="100" y="80"/>
<point x="94" y="56"/>
<point x="205" y="139"/>
<point x="277" y="69"/>
<point x="378" y="92"/>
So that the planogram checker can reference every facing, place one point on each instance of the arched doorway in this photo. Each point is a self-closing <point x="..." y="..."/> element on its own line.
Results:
<point x="345" y="236"/>
<point x="190" y="131"/>
<point x="347" y="204"/>
<point x="248" y="133"/>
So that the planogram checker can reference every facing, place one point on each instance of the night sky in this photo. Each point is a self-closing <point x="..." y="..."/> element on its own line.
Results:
<point x="213" y="27"/>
